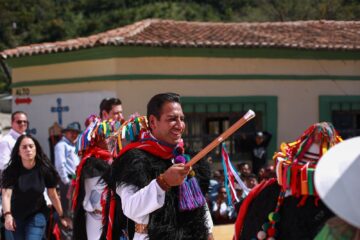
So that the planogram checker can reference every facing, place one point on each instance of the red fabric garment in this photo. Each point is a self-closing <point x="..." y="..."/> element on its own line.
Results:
<point x="56" y="232"/>
<point x="111" y="217"/>
<point x="245" y="205"/>
<point x="92" y="152"/>
<point x="151" y="146"/>
<point x="111" y="211"/>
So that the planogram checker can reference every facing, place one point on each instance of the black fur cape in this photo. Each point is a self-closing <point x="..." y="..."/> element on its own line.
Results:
<point x="92" y="168"/>
<point x="296" y="223"/>
<point x="139" y="168"/>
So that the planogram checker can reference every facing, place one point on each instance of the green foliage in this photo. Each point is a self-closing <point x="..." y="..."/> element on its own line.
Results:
<point x="292" y="10"/>
<point x="24" y="22"/>
<point x="118" y="16"/>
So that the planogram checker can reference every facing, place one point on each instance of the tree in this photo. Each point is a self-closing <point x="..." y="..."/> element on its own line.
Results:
<point x="292" y="10"/>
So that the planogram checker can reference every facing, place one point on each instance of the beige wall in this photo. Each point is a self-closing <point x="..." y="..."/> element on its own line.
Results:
<point x="176" y="65"/>
<point x="297" y="100"/>
<point x="74" y="87"/>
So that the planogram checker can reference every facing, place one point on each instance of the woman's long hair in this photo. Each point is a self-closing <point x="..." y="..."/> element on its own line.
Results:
<point x="11" y="172"/>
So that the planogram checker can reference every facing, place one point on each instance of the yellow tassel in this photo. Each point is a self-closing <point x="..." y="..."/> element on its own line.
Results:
<point x="119" y="142"/>
<point x="104" y="127"/>
<point x="324" y="147"/>
<point x="304" y="180"/>
<point x="279" y="171"/>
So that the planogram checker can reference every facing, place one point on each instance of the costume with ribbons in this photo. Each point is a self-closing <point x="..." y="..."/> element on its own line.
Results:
<point x="96" y="157"/>
<point x="289" y="208"/>
<point x="180" y="213"/>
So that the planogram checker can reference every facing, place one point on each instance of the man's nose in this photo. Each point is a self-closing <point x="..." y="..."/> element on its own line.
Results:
<point x="180" y="124"/>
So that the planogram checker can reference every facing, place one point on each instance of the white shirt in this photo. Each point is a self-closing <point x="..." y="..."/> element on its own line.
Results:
<point x="66" y="159"/>
<point x="7" y="144"/>
<point x="138" y="204"/>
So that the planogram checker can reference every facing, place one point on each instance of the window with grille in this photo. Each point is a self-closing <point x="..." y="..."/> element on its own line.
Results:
<point x="208" y="117"/>
<point x="343" y="112"/>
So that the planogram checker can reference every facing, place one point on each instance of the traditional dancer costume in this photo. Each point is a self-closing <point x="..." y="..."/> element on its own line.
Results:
<point x="289" y="207"/>
<point x="92" y="146"/>
<point x="143" y="210"/>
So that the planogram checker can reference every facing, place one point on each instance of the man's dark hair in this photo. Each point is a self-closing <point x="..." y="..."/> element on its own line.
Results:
<point x="242" y="164"/>
<point x="156" y="103"/>
<point x="250" y="176"/>
<point x="17" y="112"/>
<point x="107" y="104"/>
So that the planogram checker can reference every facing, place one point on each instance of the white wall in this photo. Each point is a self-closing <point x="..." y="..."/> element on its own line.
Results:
<point x="81" y="105"/>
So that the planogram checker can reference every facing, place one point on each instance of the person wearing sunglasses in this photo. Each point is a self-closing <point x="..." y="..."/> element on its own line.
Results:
<point x="19" y="124"/>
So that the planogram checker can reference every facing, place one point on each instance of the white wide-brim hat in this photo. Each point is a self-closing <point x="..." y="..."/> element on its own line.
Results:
<point x="337" y="180"/>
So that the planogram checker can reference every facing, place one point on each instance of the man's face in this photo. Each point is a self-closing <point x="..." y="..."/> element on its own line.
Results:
<point x="261" y="172"/>
<point x="20" y="123"/>
<point x="116" y="113"/>
<point x="259" y="140"/>
<point x="245" y="169"/>
<point x="251" y="182"/>
<point x="171" y="125"/>
<point x="71" y="135"/>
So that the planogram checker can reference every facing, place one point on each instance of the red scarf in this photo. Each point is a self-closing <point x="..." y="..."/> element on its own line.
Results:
<point x="151" y="146"/>
<point x="92" y="152"/>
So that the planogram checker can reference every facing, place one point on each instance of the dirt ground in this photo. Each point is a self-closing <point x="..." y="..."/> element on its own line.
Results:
<point x="223" y="232"/>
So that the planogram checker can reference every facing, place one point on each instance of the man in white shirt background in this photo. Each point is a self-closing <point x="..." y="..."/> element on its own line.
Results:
<point x="19" y="124"/>
<point x="66" y="161"/>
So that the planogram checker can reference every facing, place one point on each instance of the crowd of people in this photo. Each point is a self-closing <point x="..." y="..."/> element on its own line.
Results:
<point x="129" y="179"/>
<point x="222" y="211"/>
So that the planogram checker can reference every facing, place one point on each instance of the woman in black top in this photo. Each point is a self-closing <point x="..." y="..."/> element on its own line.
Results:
<point x="23" y="183"/>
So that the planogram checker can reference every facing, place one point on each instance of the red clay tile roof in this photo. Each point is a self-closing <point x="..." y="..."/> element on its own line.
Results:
<point x="330" y="35"/>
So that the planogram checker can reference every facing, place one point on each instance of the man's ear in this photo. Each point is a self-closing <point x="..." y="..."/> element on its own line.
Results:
<point x="152" y="122"/>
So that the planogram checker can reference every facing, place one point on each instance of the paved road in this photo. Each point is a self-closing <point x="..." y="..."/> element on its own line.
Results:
<point x="223" y="232"/>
